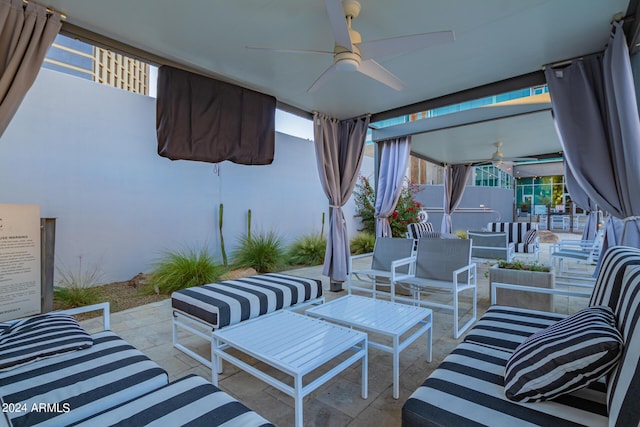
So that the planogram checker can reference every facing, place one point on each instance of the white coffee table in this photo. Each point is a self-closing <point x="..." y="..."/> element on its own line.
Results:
<point x="294" y="344"/>
<point x="382" y="317"/>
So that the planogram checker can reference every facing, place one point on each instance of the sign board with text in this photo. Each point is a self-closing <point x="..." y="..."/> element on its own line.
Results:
<point x="19" y="261"/>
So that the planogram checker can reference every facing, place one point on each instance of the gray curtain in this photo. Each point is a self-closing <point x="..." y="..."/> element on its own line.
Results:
<point x="339" y="148"/>
<point x="596" y="117"/>
<point x="394" y="155"/>
<point x="455" y="179"/>
<point x="26" y="33"/>
<point x="580" y="198"/>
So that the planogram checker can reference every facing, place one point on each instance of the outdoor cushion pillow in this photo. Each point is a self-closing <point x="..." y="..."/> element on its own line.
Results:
<point x="41" y="336"/>
<point x="531" y="236"/>
<point x="564" y="357"/>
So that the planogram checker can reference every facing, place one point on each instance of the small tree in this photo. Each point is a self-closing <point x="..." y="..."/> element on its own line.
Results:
<point x="406" y="210"/>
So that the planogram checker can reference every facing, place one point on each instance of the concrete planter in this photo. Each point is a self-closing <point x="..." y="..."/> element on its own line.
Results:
<point x="538" y="279"/>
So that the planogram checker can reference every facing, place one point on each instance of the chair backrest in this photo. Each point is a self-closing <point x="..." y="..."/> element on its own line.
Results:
<point x="623" y="383"/>
<point x="389" y="249"/>
<point x="436" y="259"/>
<point x="416" y="230"/>
<point x="594" y="251"/>
<point x="516" y="231"/>
<point x="488" y="239"/>
<point x="608" y="286"/>
<point x="489" y="244"/>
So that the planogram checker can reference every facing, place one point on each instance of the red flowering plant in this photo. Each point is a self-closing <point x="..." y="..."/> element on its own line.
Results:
<point x="406" y="210"/>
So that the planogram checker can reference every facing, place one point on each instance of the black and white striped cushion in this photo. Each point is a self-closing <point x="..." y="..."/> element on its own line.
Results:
<point x="86" y="381"/>
<point x="564" y="357"/>
<point x="467" y="390"/>
<point x="531" y="236"/>
<point x="34" y="338"/>
<point x="505" y="328"/>
<point x="232" y="301"/>
<point x="624" y="382"/>
<point x="418" y="229"/>
<point x="188" y="401"/>
<point x="608" y="286"/>
<point x="517" y="234"/>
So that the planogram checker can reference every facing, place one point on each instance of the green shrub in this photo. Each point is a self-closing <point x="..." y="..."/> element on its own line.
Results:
<point x="406" y="210"/>
<point x="461" y="234"/>
<point x="362" y="243"/>
<point x="263" y="252"/>
<point x="75" y="296"/>
<point x="184" y="269"/>
<point x="521" y="265"/>
<point x="76" y="288"/>
<point x="308" y="250"/>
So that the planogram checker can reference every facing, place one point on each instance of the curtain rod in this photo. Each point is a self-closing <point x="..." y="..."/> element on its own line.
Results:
<point x="570" y="60"/>
<point x="49" y="10"/>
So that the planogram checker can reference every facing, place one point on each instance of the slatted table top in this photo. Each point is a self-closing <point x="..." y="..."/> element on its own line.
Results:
<point x="291" y="342"/>
<point x="374" y="315"/>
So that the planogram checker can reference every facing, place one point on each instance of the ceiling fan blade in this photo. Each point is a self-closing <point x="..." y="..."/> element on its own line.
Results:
<point x="403" y="44"/>
<point x="322" y="79"/>
<point x="279" y="50"/>
<point x="377" y="72"/>
<point x="338" y="23"/>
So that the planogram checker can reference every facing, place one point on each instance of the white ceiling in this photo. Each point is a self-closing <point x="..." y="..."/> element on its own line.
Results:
<point x="470" y="136"/>
<point x="495" y="40"/>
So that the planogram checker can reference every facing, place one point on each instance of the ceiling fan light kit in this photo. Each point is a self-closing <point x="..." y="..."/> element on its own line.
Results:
<point x="345" y="60"/>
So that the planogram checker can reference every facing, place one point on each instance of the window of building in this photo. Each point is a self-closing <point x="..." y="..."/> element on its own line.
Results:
<point x="492" y="176"/>
<point x="80" y="59"/>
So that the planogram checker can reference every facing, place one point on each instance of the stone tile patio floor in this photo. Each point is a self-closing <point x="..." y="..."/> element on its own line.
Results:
<point x="337" y="403"/>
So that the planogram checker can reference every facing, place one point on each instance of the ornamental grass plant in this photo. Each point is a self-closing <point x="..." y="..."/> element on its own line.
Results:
<point x="184" y="269"/>
<point x="308" y="250"/>
<point x="76" y="288"/>
<point x="263" y="252"/>
<point x="362" y="243"/>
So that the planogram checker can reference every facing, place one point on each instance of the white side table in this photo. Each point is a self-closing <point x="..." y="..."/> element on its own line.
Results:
<point x="382" y="317"/>
<point x="294" y="344"/>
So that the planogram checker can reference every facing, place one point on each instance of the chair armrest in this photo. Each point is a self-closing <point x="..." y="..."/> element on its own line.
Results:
<point x="468" y="267"/>
<point x="552" y="291"/>
<point x="399" y="263"/>
<point x="402" y="261"/>
<point x="104" y="307"/>
<point x="361" y="255"/>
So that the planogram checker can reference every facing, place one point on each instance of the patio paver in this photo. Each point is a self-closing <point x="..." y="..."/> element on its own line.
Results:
<point x="337" y="403"/>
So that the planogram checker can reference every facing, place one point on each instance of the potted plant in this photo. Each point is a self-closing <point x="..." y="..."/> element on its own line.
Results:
<point x="525" y="274"/>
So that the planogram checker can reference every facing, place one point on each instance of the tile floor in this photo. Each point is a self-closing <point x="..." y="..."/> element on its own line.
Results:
<point x="337" y="403"/>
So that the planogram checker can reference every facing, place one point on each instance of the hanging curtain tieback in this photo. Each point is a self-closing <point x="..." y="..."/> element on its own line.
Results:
<point x="381" y="217"/>
<point x="631" y="218"/>
<point x="335" y="206"/>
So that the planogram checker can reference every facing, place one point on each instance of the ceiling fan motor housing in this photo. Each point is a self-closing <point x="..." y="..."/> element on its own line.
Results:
<point x="346" y="60"/>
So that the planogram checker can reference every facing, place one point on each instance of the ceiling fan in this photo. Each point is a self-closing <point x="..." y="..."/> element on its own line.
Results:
<point x="351" y="54"/>
<point x="498" y="158"/>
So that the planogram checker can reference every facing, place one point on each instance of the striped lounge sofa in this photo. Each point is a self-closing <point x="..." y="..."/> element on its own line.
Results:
<point x="523" y="235"/>
<point x="54" y="373"/>
<point x="202" y="309"/>
<point x="416" y="230"/>
<point x="468" y="388"/>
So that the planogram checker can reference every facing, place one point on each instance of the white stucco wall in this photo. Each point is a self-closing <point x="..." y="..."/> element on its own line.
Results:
<point x="87" y="154"/>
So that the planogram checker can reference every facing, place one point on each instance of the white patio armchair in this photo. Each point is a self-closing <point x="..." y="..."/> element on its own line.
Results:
<point x="442" y="265"/>
<point x="490" y="245"/>
<point x="387" y="256"/>
<point x="585" y="252"/>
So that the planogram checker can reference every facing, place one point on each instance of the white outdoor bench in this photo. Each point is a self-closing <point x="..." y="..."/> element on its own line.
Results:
<point x="98" y="380"/>
<point x="201" y="310"/>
